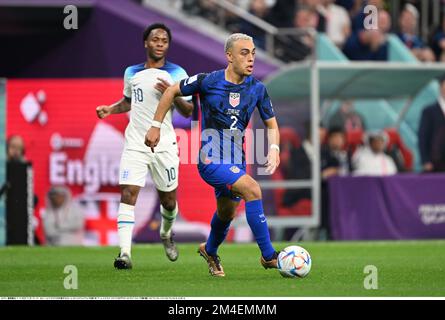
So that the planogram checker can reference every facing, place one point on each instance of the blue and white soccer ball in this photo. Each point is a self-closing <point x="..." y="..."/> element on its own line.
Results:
<point x="294" y="262"/>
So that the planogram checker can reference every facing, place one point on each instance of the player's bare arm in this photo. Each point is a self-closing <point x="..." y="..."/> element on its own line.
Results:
<point x="184" y="107"/>
<point x="123" y="105"/>
<point x="153" y="134"/>
<point x="273" y="136"/>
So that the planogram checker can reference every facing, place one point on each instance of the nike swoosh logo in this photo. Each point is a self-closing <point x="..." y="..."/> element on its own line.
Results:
<point x="262" y="221"/>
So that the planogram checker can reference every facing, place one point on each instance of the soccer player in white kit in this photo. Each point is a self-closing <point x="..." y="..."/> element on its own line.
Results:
<point x="143" y="87"/>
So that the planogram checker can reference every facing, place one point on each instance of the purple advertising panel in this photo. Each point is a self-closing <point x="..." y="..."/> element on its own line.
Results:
<point x="398" y="207"/>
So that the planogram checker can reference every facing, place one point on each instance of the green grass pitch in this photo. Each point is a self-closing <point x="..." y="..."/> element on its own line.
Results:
<point x="410" y="268"/>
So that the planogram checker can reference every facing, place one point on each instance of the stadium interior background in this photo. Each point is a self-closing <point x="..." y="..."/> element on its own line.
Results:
<point x="337" y="88"/>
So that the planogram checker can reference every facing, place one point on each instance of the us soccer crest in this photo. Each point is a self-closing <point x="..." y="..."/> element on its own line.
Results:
<point x="234" y="169"/>
<point x="234" y="99"/>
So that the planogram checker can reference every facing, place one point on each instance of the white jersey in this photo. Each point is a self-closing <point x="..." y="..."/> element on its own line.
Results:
<point x="144" y="101"/>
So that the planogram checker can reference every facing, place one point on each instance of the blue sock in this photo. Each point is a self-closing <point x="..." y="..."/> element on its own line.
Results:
<point x="258" y="224"/>
<point x="218" y="233"/>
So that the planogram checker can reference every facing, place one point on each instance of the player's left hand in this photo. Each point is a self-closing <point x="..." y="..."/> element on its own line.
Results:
<point x="152" y="137"/>
<point x="162" y="85"/>
<point x="273" y="161"/>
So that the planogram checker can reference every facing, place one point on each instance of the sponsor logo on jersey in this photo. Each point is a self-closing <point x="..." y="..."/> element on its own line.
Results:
<point x="234" y="169"/>
<point x="234" y="99"/>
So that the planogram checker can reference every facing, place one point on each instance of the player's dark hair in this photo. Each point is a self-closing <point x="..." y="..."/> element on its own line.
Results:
<point x="153" y="26"/>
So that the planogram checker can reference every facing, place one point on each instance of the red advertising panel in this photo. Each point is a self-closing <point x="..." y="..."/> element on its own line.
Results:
<point x="68" y="145"/>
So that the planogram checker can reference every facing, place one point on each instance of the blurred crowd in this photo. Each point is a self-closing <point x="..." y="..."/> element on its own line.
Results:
<point x="341" y="20"/>
<point x="348" y="148"/>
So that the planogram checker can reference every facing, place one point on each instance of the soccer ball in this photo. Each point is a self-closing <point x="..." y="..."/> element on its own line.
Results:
<point x="294" y="262"/>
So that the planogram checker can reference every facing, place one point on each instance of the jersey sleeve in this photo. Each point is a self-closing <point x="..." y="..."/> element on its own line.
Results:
<point x="192" y="85"/>
<point x="178" y="75"/>
<point x="127" y="84"/>
<point x="265" y="105"/>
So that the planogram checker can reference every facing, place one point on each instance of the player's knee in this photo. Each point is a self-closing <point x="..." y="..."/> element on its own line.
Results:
<point x="253" y="191"/>
<point x="128" y="196"/>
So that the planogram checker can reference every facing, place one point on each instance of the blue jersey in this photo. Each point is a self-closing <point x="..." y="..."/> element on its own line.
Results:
<point x="226" y="109"/>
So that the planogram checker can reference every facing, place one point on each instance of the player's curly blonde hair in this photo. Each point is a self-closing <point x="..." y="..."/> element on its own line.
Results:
<point x="233" y="38"/>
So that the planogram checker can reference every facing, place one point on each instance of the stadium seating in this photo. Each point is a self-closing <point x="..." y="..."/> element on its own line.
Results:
<point x="395" y="141"/>
<point x="355" y="138"/>
<point x="289" y="140"/>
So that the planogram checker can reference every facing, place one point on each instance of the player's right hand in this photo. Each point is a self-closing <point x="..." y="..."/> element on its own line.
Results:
<point x="152" y="137"/>
<point x="103" y="111"/>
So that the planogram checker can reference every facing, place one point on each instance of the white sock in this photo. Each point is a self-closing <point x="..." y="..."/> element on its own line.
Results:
<point x="125" y="224"/>
<point x="168" y="218"/>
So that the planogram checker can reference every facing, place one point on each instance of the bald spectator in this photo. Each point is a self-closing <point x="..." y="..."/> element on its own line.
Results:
<point x="408" y="33"/>
<point x="16" y="149"/>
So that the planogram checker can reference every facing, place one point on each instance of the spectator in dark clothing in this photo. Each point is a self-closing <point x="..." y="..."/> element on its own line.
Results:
<point x="431" y="134"/>
<point x="15" y="149"/>
<point x="359" y="48"/>
<point x="370" y="44"/>
<point x="15" y="152"/>
<point x="335" y="161"/>
<point x="438" y="41"/>
<point x="347" y="4"/>
<point x="359" y="19"/>
<point x="297" y="47"/>
<point x="258" y="8"/>
<point x="282" y="13"/>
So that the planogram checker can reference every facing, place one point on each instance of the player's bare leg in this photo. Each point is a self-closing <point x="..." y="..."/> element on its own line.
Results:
<point x="125" y="221"/>
<point x="226" y="209"/>
<point x="250" y="191"/>
<point x="169" y="211"/>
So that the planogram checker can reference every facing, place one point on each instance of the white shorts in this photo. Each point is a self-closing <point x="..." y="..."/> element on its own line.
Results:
<point x="163" y="167"/>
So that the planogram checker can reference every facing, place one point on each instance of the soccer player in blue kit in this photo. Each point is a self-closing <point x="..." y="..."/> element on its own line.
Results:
<point x="228" y="99"/>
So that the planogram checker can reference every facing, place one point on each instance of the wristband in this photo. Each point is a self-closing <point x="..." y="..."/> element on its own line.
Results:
<point x="156" y="124"/>
<point x="275" y="146"/>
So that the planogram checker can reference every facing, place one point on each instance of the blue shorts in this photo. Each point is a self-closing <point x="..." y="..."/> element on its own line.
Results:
<point x="222" y="177"/>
